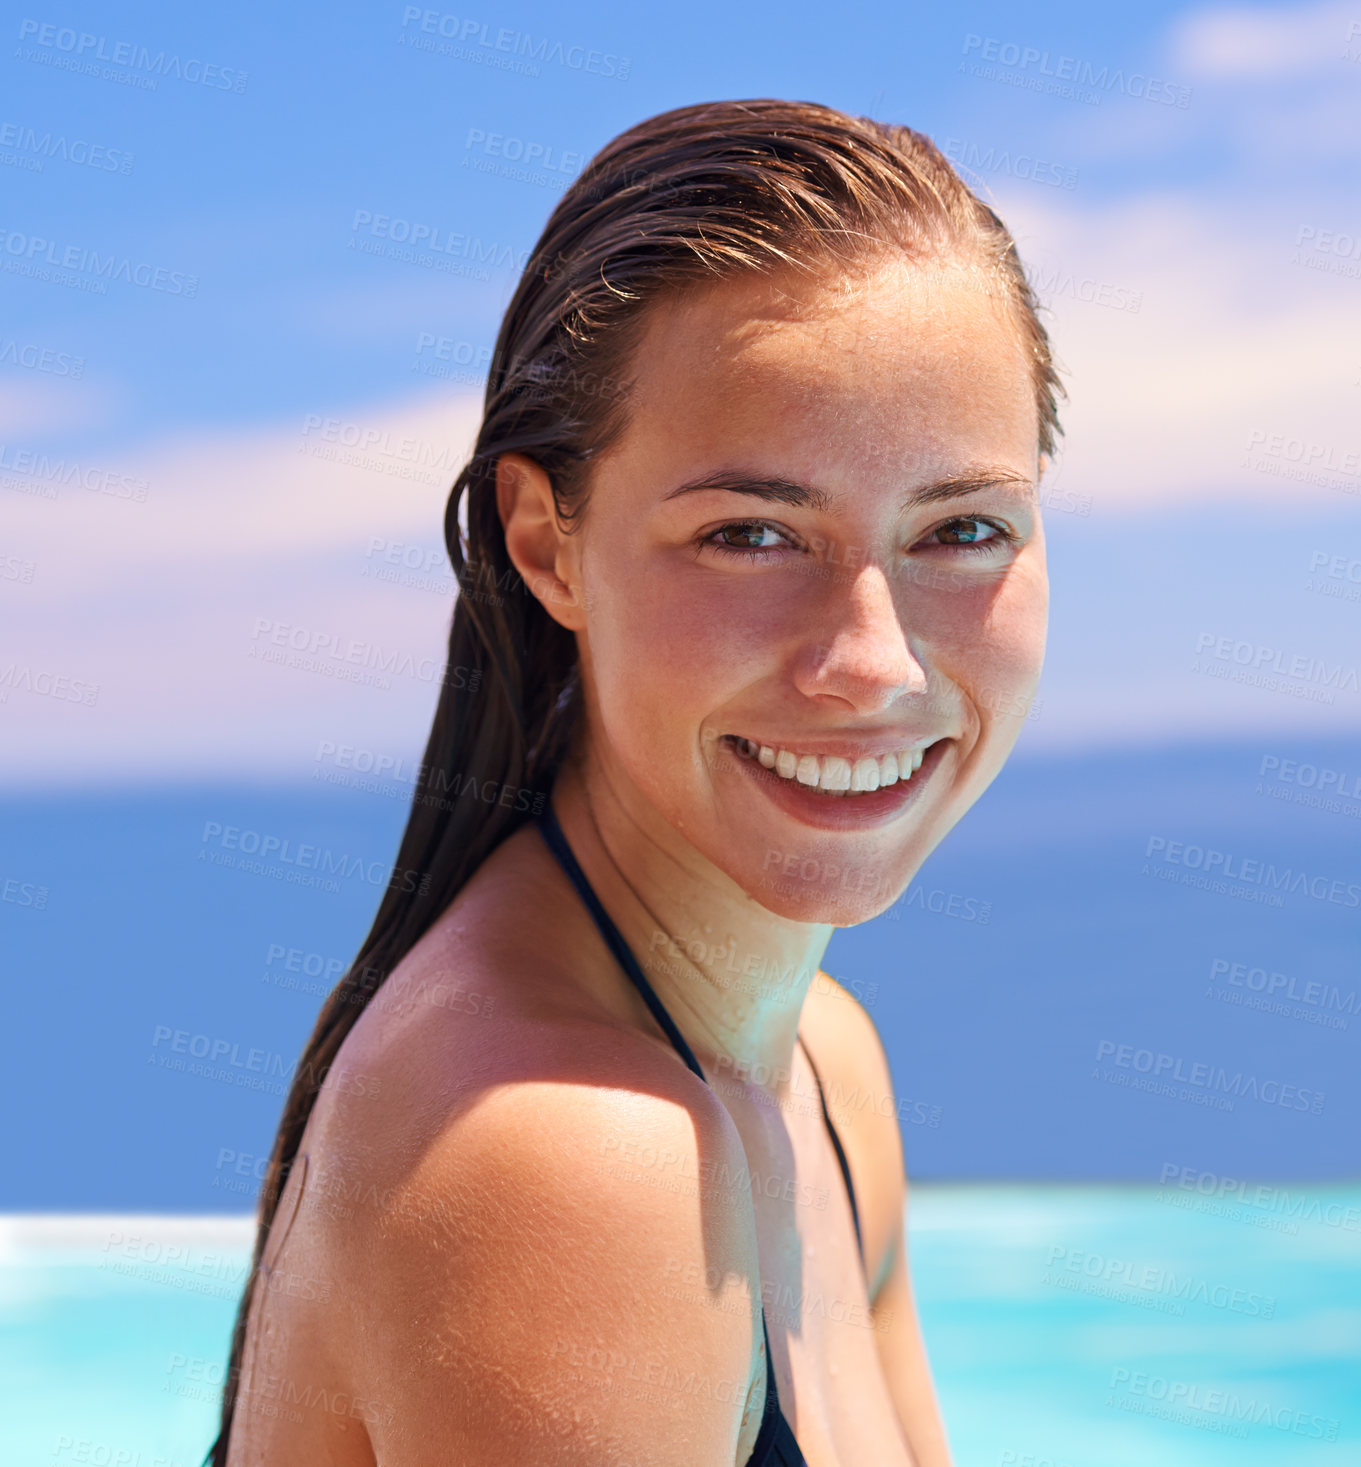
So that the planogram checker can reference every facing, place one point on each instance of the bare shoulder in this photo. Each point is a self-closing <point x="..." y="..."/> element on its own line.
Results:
<point x="858" y="1088"/>
<point x="534" y="1270"/>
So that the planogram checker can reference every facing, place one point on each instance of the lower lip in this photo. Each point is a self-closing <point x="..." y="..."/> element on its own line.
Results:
<point x="839" y="812"/>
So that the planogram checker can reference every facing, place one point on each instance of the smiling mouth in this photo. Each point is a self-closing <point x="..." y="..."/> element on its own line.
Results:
<point x="831" y="774"/>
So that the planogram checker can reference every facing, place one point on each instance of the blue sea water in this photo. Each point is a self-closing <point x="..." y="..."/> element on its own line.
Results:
<point x="1057" y="997"/>
<point x="1094" y="981"/>
<point x="1068" y="1326"/>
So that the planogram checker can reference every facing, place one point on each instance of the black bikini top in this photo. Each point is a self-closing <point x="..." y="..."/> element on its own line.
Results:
<point x="775" y="1444"/>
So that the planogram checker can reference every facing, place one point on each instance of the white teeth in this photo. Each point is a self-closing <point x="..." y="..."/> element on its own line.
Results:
<point x="836" y="773"/>
<point x="865" y="775"/>
<point x="831" y="773"/>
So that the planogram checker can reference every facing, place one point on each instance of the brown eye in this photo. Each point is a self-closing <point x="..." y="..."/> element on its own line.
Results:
<point x="967" y="532"/>
<point x="747" y="534"/>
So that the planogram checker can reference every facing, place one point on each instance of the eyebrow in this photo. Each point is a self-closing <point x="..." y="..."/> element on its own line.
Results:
<point x="776" y="490"/>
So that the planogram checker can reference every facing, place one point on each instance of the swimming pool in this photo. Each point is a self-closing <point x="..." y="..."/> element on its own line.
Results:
<point x="1075" y="1326"/>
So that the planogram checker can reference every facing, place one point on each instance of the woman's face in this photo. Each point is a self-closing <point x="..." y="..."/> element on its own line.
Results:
<point x="817" y="543"/>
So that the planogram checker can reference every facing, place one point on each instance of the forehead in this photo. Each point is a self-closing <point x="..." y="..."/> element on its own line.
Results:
<point x="903" y="368"/>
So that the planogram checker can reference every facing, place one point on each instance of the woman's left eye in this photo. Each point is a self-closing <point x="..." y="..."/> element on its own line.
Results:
<point x="969" y="532"/>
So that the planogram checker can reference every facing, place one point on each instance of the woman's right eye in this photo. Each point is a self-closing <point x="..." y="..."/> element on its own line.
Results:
<point x="746" y="538"/>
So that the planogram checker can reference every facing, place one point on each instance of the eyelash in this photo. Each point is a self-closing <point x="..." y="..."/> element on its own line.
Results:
<point x="1003" y="536"/>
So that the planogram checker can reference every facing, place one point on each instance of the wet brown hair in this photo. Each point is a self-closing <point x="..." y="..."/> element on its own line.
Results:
<point x="693" y="196"/>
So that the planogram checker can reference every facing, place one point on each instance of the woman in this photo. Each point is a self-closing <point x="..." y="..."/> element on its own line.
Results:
<point x="587" y="1161"/>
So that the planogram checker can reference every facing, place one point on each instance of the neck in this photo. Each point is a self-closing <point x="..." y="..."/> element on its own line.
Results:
<point x="732" y="975"/>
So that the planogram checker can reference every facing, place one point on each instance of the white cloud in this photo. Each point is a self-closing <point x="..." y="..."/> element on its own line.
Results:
<point x="160" y="603"/>
<point x="1239" y="41"/>
<point x="37" y="403"/>
<point x="1235" y="343"/>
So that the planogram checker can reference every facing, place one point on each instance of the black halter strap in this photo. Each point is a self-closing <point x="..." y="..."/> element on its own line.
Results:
<point x="557" y="843"/>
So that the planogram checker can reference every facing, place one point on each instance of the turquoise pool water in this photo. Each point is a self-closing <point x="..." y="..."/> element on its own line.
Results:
<point x="1068" y="1327"/>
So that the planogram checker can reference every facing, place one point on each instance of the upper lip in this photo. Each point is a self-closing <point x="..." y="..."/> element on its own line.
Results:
<point x="845" y="748"/>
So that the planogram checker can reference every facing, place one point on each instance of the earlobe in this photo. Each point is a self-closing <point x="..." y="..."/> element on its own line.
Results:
<point x="537" y="547"/>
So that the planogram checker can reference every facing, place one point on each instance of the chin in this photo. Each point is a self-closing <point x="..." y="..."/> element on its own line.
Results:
<point x="819" y="888"/>
<point x="795" y="903"/>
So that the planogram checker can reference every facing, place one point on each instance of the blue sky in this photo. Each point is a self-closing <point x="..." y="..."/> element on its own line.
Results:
<point x="1186" y="217"/>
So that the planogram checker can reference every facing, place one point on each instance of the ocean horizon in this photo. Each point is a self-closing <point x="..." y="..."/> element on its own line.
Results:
<point x="1071" y="989"/>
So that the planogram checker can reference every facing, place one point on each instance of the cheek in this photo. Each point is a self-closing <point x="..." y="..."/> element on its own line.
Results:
<point x="666" y="651"/>
<point x="991" y="636"/>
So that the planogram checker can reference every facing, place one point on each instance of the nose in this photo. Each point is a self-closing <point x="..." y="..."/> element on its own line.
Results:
<point x="862" y="656"/>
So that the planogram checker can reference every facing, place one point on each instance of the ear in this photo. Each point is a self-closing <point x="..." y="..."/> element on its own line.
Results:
<point x="543" y="553"/>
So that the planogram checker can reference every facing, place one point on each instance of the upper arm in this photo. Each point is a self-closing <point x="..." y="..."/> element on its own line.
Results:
<point x="865" y="1110"/>
<point x="548" y="1283"/>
